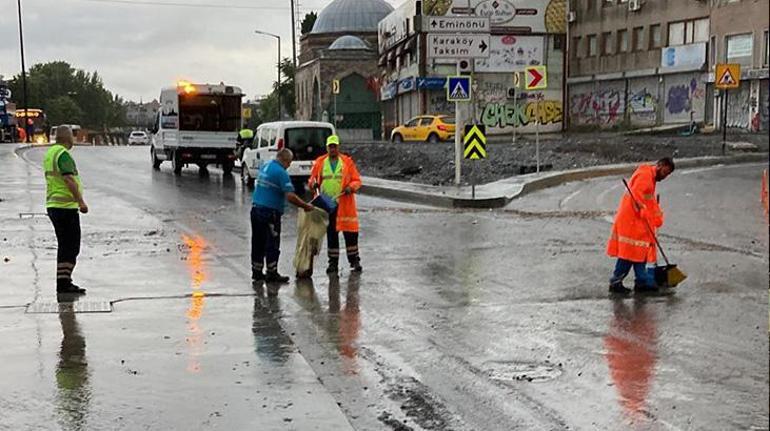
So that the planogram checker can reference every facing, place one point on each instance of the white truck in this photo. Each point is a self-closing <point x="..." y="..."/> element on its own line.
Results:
<point x="197" y="124"/>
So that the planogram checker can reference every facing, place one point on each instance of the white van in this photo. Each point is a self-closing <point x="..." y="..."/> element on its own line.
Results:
<point x="306" y="139"/>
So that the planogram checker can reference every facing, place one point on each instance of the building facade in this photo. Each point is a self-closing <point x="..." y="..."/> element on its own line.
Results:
<point x="650" y="63"/>
<point x="141" y="115"/>
<point x="413" y="80"/>
<point x="342" y="48"/>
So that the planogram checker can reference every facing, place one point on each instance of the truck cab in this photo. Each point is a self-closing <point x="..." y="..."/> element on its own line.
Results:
<point x="197" y="124"/>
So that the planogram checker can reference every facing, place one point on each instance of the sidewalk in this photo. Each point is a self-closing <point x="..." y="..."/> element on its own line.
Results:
<point x="499" y="193"/>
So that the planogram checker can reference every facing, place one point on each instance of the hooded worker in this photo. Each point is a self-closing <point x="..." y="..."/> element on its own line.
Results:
<point x="632" y="241"/>
<point x="335" y="176"/>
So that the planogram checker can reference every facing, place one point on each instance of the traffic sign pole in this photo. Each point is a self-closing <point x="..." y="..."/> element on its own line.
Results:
<point x="458" y="138"/>
<point x="724" y="122"/>
<point x="537" y="133"/>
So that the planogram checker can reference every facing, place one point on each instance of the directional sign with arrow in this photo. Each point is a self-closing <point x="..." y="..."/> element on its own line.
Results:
<point x="456" y="46"/>
<point x="459" y="24"/>
<point x="536" y="78"/>
<point x="475" y="141"/>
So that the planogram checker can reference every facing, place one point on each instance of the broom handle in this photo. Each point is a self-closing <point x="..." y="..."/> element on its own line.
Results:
<point x="649" y="229"/>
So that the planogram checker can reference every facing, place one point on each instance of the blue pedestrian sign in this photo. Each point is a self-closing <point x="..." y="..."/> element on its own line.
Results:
<point x="458" y="89"/>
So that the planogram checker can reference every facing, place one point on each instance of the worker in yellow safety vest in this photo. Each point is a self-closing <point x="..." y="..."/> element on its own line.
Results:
<point x="64" y="198"/>
<point x="245" y="138"/>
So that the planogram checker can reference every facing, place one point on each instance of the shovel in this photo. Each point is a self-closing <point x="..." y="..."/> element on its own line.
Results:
<point x="670" y="274"/>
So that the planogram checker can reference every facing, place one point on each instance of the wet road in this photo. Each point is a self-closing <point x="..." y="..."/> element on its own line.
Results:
<point x="474" y="320"/>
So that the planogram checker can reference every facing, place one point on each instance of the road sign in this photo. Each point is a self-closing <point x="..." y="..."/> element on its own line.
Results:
<point x="246" y="112"/>
<point x="336" y="86"/>
<point x="516" y="79"/>
<point x="458" y="24"/>
<point x="456" y="46"/>
<point x="536" y="78"/>
<point x="727" y="76"/>
<point x="458" y="89"/>
<point x="475" y="141"/>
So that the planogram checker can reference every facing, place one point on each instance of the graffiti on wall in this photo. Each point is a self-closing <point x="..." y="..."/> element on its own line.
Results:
<point x="764" y="104"/>
<point x="681" y="97"/>
<point x="525" y="113"/>
<point x="439" y="105"/>
<point x="739" y="107"/>
<point x="604" y="108"/>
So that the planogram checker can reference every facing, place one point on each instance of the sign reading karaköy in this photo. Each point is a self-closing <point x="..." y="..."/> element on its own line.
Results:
<point x="458" y="24"/>
<point x="536" y="78"/>
<point x="727" y="76"/>
<point x="534" y="16"/>
<point x="457" y="46"/>
<point x="458" y="89"/>
<point x="475" y="141"/>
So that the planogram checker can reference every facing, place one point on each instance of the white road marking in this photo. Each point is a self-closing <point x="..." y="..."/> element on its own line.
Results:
<point x="720" y="166"/>
<point x="600" y="198"/>
<point x="564" y="201"/>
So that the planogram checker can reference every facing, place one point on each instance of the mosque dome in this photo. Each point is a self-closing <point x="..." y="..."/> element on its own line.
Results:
<point x="351" y="16"/>
<point x="349" y="42"/>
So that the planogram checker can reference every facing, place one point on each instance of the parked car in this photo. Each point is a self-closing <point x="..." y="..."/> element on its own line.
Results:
<point x="306" y="139"/>
<point x="138" y="137"/>
<point x="428" y="128"/>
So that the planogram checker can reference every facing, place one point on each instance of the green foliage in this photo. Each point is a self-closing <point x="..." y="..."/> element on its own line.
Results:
<point x="268" y="109"/>
<point x="308" y="22"/>
<point x="49" y="84"/>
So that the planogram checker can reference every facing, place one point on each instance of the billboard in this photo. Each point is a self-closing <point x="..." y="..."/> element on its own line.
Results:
<point x="535" y="16"/>
<point x="396" y="27"/>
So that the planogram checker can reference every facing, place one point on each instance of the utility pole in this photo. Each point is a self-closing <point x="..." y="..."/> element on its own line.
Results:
<point x="293" y="35"/>
<point x="23" y="76"/>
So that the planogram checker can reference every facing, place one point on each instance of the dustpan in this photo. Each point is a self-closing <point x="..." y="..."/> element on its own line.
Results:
<point x="669" y="275"/>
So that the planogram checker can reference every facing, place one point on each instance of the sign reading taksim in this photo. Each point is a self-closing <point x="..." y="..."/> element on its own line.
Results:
<point x="336" y="86"/>
<point x="727" y="76"/>
<point x="458" y="24"/>
<point x="475" y="141"/>
<point x="456" y="46"/>
<point x="536" y="78"/>
<point x="458" y="89"/>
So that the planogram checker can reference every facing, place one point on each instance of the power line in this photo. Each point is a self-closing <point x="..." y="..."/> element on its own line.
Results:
<point x="190" y="5"/>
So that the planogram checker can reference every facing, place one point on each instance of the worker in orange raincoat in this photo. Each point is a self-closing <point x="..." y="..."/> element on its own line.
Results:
<point x="335" y="176"/>
<point x="632" y="241"/>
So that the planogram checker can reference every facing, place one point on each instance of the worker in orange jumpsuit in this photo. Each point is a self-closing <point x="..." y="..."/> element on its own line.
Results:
<point x="632" y="241"/>
<point x="335" y="176"/>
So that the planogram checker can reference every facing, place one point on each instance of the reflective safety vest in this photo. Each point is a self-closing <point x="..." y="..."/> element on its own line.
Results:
<point x="331" y="180"/>
<point x="347" y="213"/>
<point x="58" y="195"/>
<point x="246" y="134"/>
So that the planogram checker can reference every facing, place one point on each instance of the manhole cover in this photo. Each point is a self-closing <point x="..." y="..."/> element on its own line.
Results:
<point x="523" y="372"/>
<point x="69" y="307"/>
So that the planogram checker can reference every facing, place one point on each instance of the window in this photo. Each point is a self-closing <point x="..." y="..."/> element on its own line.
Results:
<point x="686" y="32"/>
<point x="638" y="38"/>
<point x="655" y="36"/>
<point x="211" y="113"/>
<point x="740" y="48"/>
<point x="307" y="143"/>
<point x="766" y="54"/>
<point x="426" y="121"/>
<point x="592" y="51"/>
<point x="606" y="43"/>
<point x="575" y="47"/>
<point x="412" y="122"/>
<point x="558" y="42"/>
<point x="623" y="40"/>
<point x="713" y="50"/>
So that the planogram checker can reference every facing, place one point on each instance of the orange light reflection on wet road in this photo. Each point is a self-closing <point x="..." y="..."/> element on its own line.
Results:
<point x="195" y="263"/>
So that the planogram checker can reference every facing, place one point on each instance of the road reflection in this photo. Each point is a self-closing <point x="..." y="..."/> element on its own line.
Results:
<point x="631" y="352"/>
<point x="195" y="246"/>
<point x="72" y="375"/>
<point x="270" y="340"/>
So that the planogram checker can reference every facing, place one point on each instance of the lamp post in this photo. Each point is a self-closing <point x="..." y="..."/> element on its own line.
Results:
<point x="280" y="96"/>
<point x="23" y="76"/>
<point x="293" y="35"/>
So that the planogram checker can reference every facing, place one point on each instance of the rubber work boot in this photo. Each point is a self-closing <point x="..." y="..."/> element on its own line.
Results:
<point x="70" y="288"/>
<point x="646" y="288"/>
<point x="619" y="288"/>
<point x="275" y="277"/>
<point x="333" y="267"/>
<point x="257" y="276"/>
<point x="356" y="266"/>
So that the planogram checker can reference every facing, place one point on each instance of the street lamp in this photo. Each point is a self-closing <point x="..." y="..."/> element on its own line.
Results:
<point x="280" y="96"/>
<point x="23" y="76"/>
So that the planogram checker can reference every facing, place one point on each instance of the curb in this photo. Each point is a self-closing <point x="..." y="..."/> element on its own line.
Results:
<point x="526" y="184"/>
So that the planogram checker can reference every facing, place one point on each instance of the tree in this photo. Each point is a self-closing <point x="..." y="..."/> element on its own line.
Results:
<point x="308" y="22"/>
<point x="48" y="84"/>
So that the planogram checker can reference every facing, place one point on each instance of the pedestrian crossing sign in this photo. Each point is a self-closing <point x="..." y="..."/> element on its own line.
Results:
<point x="475" y="141"/>
<point x="458" y="89"/>
<point x="727" y="76"/>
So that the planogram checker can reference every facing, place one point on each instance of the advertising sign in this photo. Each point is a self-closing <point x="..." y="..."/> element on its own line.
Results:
<point x="509" y="53"/>
<point x="692" y="55"/>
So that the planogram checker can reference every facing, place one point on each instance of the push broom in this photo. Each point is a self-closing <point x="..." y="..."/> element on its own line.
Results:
<point x="671" y="274"/>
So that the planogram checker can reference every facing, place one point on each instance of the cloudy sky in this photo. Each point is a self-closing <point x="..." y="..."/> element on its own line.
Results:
<point x="139" y="48"/>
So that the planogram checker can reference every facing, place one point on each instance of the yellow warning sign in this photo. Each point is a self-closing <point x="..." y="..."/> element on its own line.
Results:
<point x="727" y="76"/>
<point x="336" y="86"/>
<point x="246" y="112"/>
<point x="475" y="142"/>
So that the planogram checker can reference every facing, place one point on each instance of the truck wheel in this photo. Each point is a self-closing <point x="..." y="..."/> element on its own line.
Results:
<point x="155" y="161"/>
<point x="176" y="162"/>
<point x="246" y="179"/>
<point x="227" y="167"/>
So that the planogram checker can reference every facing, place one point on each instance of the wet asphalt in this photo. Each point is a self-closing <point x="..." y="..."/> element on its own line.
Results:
<point x="462" y="320"/>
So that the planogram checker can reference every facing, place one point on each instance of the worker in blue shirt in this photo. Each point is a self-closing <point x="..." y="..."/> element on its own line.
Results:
<point x="272" y="190"/>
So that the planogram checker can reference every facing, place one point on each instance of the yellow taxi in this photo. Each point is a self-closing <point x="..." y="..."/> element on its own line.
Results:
<point x="427" y="128"/>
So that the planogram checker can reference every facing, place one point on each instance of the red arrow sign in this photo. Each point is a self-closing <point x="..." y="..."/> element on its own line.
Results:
<point x="536" y="78"/>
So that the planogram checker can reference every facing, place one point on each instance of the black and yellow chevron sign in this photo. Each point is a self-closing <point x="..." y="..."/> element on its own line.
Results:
<point x="475" y="142"/>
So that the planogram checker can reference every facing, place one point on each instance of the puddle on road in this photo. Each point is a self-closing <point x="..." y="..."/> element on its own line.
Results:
<point x="509" y="371"/>
<point x="195" y="340"/>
